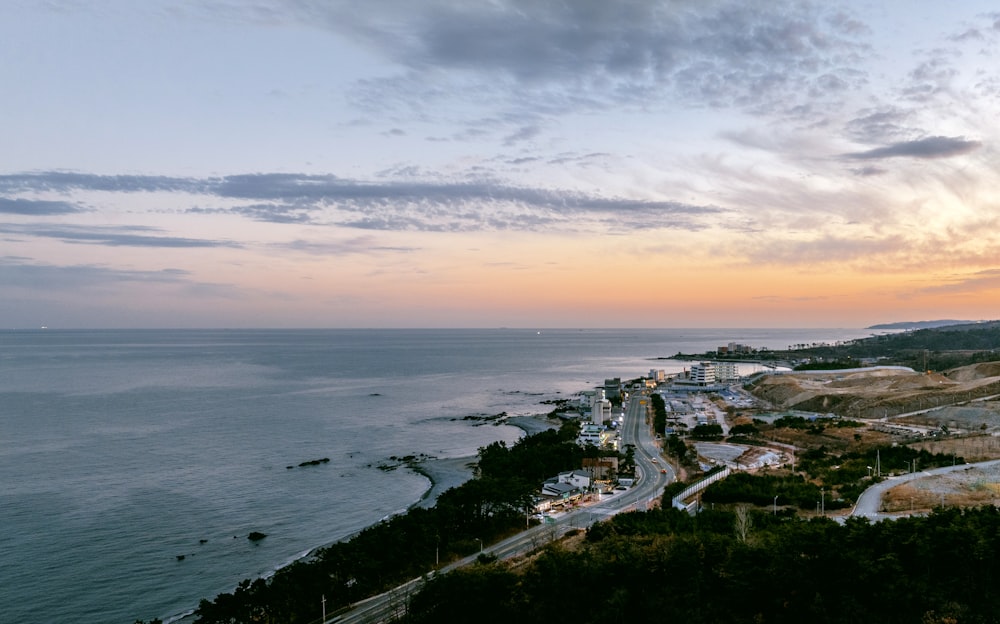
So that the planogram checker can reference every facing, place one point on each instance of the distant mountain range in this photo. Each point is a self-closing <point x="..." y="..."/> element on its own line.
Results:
<point x="920" y="324"/>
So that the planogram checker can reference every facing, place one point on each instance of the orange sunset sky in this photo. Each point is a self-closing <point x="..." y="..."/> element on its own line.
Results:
<point x="512" y="163"/>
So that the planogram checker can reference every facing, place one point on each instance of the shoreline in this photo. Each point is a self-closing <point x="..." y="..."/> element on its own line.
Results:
<point x="451" y="472"/>
<point x="443" y="474"/>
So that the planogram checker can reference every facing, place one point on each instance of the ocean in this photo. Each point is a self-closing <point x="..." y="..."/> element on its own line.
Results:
<point x="134" y="463"/>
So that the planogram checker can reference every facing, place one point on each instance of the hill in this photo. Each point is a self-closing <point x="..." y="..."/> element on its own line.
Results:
<point x="919" y="324"/>
<point x="881" y="392"/>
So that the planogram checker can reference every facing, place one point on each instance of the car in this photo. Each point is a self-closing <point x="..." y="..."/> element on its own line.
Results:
<point x="663" y="471"/>
<point x="654" y="460"/>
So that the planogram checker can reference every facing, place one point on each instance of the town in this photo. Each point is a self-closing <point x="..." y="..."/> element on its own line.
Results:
<point x="709" y="459"/>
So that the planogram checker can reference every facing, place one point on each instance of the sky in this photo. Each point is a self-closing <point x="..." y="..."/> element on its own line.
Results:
<point x="498" y="163"/>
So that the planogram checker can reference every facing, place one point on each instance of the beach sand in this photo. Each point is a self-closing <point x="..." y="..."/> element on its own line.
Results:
<point x="445" y="474"/>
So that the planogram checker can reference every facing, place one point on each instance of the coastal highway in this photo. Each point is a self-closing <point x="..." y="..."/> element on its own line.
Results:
<point x="646" y="491"/>
<point x="637" y="432"/>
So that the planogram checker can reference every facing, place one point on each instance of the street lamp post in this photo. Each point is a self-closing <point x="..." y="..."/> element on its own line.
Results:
<point x="775" y="505"/>
<point x="822" y="496"/>
<point x="480" y="545"/>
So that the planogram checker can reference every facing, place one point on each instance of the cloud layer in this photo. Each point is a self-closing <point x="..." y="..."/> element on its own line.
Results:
<point x="398" y="205"/>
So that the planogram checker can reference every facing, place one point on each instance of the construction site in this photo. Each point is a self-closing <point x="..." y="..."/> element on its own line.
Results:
<point x="954" y="412"/>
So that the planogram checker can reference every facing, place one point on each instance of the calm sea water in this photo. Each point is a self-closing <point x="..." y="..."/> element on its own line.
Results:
<point x="122" y="450"/>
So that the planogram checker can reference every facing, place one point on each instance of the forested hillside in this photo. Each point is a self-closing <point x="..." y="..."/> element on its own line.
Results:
<point x="740" y="568"/>
<point x="936" y="349"/>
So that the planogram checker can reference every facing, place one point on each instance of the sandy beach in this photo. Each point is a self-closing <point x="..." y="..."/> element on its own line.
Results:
<point x="445" y="474"/>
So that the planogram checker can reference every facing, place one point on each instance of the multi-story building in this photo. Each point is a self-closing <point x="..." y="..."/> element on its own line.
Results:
<point x="703" y="373"/>
<point x="727" y="371"/>
<point x="613" y="388"/>
<point x="600" y="409"/>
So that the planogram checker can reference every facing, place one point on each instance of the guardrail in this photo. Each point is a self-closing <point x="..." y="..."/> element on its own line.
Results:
<point x="678" y="501"/>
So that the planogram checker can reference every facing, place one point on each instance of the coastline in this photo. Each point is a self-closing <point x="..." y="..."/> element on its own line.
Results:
<point x="452" y="472"/>
<point x="443" y="474"/>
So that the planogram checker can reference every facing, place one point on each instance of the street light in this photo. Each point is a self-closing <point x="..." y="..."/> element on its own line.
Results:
<point x="480" y="545"/>
<point x="775" y="505"/>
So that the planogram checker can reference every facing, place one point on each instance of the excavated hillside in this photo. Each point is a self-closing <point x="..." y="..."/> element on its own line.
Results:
<point x="877" y="392"/>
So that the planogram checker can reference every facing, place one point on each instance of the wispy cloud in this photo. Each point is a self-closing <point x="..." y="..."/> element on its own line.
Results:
<point x="977" y="282"/>
<point x="826" y="250"/>
<point x="112" y="236"/>
<point x="18" y="272"/>
<point x="930" y="147"/>
<point x="383" y="205"/>
<point x="36" y="207"/>
<point x="357" y="245"/>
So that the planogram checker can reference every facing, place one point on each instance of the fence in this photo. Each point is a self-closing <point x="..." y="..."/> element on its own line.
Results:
<point x="678" y="501"/>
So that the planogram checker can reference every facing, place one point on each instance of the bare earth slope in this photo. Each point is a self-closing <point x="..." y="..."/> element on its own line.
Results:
<point x="878" y="392"/>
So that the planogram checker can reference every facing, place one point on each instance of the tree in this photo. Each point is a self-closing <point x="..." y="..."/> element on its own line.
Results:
<point x="744" y="522"/>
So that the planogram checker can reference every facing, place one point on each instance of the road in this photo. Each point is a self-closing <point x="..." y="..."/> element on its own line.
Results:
<point x="647" y="490"/>
<point x="871" y="499"/>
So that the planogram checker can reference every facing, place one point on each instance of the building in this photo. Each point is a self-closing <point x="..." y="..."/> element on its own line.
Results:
<point x="590" y="433"/>
<point x="600" y="409"/>
<point x="727" y="371"/>
<point x="613" y="389"/>
<point x="602" y="468"/>
<point x="703" y="374"/>
<point x="559" y="491"/>
<point x="577" y="478"/>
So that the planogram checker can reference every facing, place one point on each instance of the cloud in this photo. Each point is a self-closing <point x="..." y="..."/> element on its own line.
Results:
<point x="357" y="245"/>
<point x="63" y="180"/>
<point x="880" y="125"/>
<point x="787" y="299"/>
<point x="594" y="54"/>
<point x="981" y="281"/>
<point x="479" y="204"/>
<point x="930" y="147"/>
<point x="269" y="213"/>
<point x="826" y="249"/>
<point x="868" y="171"/>
<point x="127" y="236"/>
<point x="35" y="207"/>
<point x="16" y="272"/>
<point x="525" y="133"/>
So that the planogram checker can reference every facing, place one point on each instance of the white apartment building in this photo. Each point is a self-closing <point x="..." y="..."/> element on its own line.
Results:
<point x="727" y="371"/>
<point x="703" y="373"/>
<point x="590" y="434"/>
<point x="600" y="408"/>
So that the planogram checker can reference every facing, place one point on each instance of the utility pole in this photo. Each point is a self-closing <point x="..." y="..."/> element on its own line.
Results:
<point x="323" y="601"/>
